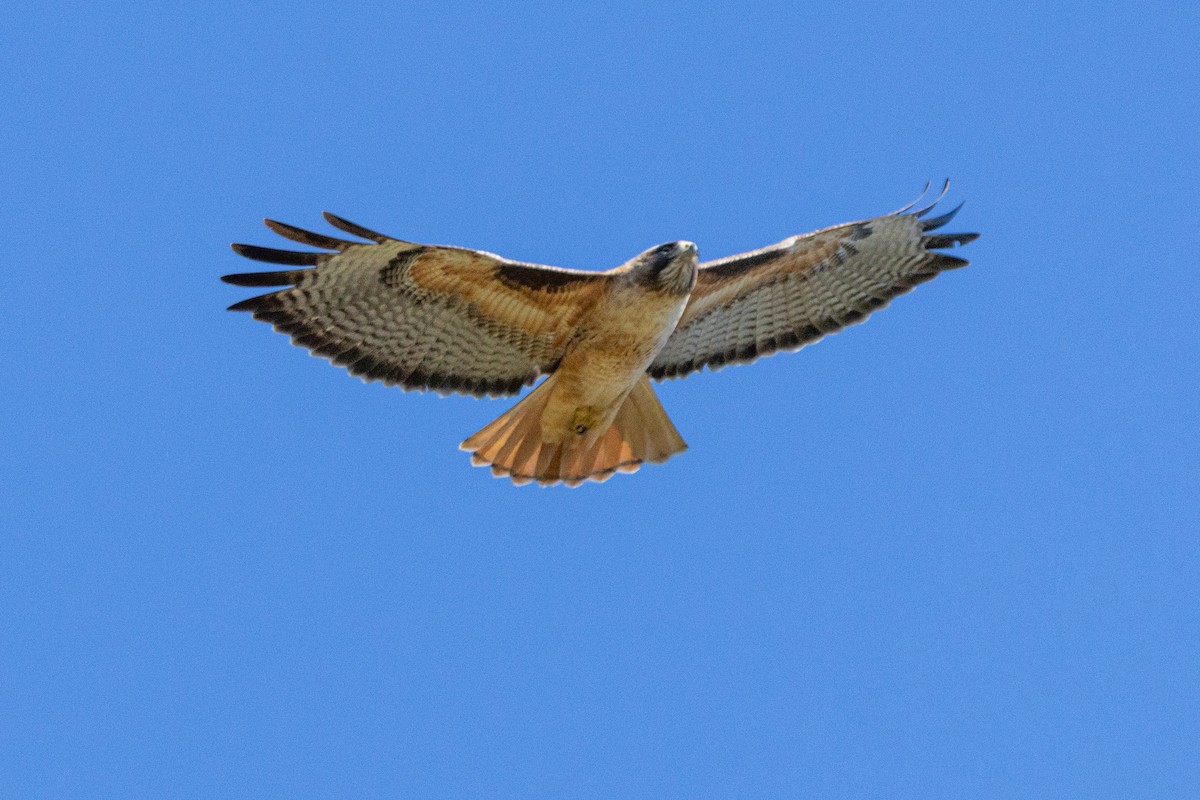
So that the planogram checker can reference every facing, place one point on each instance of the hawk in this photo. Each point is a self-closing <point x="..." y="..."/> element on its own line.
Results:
<point x="457" y="320"/>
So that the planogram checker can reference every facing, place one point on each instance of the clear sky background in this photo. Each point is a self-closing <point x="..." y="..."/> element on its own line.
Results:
<point x="949" y="553"/>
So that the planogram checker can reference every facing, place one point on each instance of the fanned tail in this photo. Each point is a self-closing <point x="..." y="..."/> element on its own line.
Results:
<point x="513" y="445"/>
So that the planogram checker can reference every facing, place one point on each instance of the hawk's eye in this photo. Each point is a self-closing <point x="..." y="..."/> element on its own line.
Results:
<point x="666" y="248"/>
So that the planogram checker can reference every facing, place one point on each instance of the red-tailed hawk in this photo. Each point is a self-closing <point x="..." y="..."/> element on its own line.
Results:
<point x="456" y="320"/>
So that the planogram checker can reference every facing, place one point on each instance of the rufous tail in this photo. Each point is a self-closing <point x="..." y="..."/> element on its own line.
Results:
<point x="513" y="445"/>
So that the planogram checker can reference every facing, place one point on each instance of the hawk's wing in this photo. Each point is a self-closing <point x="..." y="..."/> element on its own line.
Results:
<point x="421" y="316"/>
<point x="789" y="294"/>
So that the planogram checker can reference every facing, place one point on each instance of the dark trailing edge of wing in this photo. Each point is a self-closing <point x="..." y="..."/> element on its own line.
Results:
<point x="312" y="334"/>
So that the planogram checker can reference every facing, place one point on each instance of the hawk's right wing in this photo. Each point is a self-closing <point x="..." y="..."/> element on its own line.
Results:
<point x="421" y="316"/>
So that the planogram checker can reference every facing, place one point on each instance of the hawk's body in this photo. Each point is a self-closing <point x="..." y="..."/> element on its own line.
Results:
<point x="451" y="319"/>
<point x="617" y="339"/>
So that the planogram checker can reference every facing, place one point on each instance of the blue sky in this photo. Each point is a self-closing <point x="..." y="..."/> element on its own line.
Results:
<point x="948" y="553"/>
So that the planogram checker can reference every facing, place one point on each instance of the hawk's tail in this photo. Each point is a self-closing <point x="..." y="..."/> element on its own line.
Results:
<point x="512" y="444"/>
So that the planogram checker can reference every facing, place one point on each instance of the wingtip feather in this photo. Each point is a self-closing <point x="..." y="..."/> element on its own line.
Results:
<point x="936" y="241"/>
<point x="285" y="278"/>
<point x="920" y="197"/>
<point x="271" y="255"/>
<point x="936" y="222"/>
<point x="249" y="304"/>
<point x="938" y="199"/>
<point x="346" y="225"/>
<point x="307" y="237"/>
<point x="944" y="262"/>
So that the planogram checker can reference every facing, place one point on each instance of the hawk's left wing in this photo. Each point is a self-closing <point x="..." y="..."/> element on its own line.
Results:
<point x="789" y="294"/>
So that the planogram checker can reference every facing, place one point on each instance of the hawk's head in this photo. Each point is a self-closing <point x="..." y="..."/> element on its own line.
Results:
<point x="670" y="267"/>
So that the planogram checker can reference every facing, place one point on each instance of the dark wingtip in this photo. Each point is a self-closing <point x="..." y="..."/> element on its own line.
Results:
<point x="937" y="222"/>
<point x="944" y="261"/>
<point x="272" y="256"/>
<point x="941" y="195"/>
<point x="307" y="237"/>
<point x="287" y="278"/>
<point x="914" y="202"/>
<point x="356" y="230"/>
<point x="250" y="304"/>
<point x="935" y="241"/>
